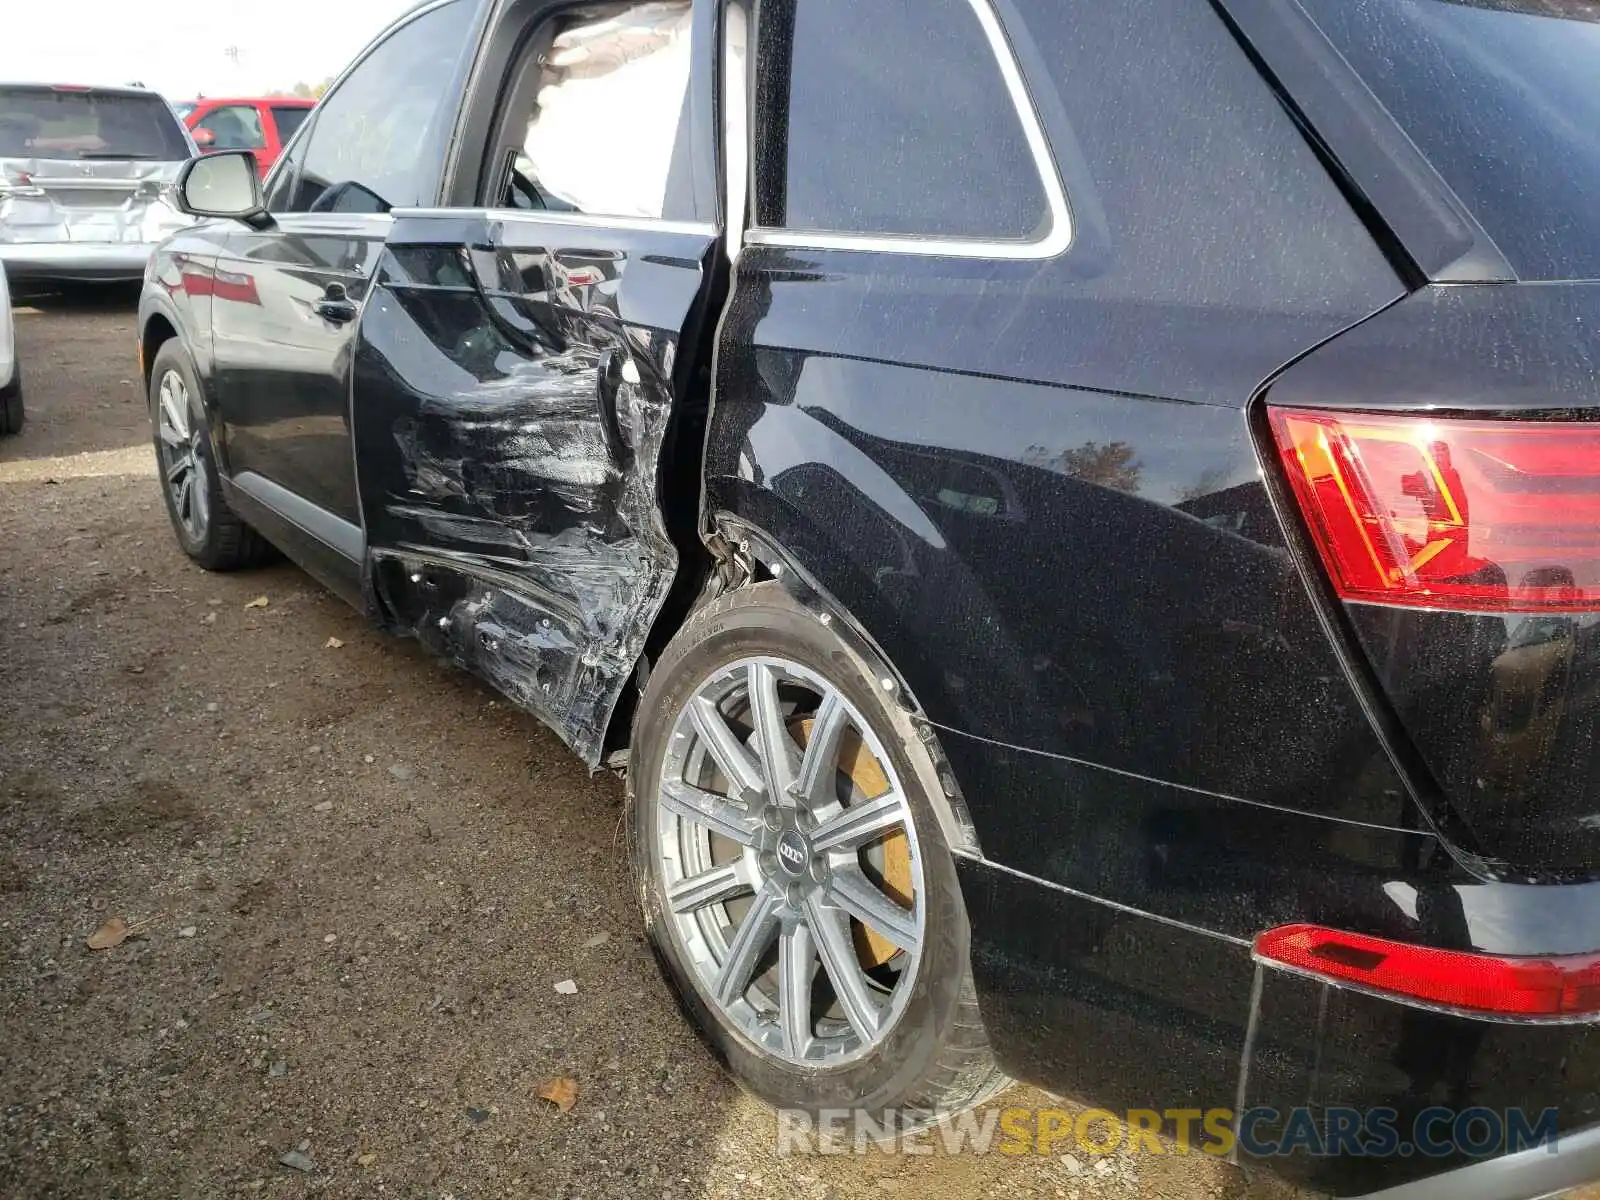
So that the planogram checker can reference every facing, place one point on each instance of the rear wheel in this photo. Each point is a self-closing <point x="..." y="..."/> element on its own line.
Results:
<point x="794" y="875"/>
<point x="207" y="529"/>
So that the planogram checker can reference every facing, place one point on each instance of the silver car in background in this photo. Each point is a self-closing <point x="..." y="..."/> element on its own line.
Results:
<point x="10" y="372"/>
<point x="85" y="181"/>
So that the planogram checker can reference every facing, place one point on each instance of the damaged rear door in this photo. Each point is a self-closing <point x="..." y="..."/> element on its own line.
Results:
<point x="518" y="368"/>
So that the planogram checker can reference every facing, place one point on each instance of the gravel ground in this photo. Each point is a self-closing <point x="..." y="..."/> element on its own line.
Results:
<point x="355" y="878"/>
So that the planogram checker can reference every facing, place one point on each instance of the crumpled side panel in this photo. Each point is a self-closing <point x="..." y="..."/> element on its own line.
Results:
<point x="509" y="427"/>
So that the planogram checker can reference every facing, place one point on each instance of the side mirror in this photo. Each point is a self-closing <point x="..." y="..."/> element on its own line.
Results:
<point x="225" y="184"/>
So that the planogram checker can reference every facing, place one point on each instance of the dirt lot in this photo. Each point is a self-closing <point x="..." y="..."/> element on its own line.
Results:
<point x="356" y="877"/>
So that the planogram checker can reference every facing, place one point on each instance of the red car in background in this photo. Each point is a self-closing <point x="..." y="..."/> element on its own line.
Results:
<point x="263" y="126"/>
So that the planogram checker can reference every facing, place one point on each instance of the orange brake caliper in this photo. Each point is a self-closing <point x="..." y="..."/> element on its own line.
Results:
<point x="869" y="782"/>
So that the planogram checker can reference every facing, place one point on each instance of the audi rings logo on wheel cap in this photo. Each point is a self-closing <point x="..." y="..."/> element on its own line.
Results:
<point x="792" y="852"/>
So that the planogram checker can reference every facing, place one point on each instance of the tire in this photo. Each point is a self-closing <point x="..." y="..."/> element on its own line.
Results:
<point x="208" y="530"/>
<point x="933" y="1056"/>
<point x="12" y="414"/>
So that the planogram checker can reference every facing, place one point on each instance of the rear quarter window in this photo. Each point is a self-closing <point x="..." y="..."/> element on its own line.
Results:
<point x="893" y="118"/>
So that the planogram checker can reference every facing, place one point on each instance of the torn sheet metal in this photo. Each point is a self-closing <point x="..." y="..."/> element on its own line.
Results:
<point x="509" y="424"/>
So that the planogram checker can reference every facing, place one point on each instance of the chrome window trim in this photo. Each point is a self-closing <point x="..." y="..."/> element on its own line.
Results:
<point x="1054" y="242"/>
<point x="525" y="216"/>
<point x="336" y="224"/>
<point x="735" y="95"/>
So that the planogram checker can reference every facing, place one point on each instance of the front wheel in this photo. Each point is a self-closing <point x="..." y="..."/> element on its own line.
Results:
<point x="209" y="531"/>
<point x="793" y="872"/>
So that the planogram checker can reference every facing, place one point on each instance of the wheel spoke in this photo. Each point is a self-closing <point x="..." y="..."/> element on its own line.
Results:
<point x="786" y="938"/>
<point x="797" y="967"/>
<point x="749" y="944"/>
<point x="182" y="500"/>
<point x="835" y="947"/>
<point x="819" y="768"/>
<point x="732" y="758"/>
<point x="178" y="468"/>
<point x="779" y="754"/>
<point x="709" y="887"/>
<point x="175" y="427"/>
<point x="852" y="891"/>
<point x="861" y="823"/>
<point x="717" y="813"/>
<point x="201" y="501"/>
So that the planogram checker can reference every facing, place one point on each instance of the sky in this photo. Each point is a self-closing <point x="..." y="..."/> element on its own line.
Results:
<point x="181" y="47"/>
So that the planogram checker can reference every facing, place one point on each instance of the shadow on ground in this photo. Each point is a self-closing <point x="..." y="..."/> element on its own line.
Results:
<point x="79" y="362"/>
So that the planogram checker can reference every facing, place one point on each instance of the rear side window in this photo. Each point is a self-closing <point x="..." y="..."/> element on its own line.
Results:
<point x="607" y="134"/>
<point x="1503" y="96"/>
<point x="373" y="145"/>
<point x="892" y="118"/>
<point x="42" y="122"/>
<point x="289" y="121"/>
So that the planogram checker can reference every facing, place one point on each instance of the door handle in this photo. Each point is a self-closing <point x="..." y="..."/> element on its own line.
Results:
<point x="336" y="305"/>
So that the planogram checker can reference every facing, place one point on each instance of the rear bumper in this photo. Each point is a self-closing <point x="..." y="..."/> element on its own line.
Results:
<point x="1133" y="1012"/>
<point x="74" y="262"/>
<point x="1522" y="1176"/>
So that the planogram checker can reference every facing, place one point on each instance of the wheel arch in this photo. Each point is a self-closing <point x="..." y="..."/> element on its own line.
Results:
<point x="155" y="331"/>
<point x="159" y="328"/>
<point x="744" y="552"/>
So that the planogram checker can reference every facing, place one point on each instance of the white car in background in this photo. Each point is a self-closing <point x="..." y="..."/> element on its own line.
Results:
<point x="85" y="181"/>
<point x="10" y="372"/>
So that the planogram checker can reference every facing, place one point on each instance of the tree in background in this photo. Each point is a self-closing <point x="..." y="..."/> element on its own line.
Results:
<point x="306" y="91"/>
<point x="1108" y="465"/>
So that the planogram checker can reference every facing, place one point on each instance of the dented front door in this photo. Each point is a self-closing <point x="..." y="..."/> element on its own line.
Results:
<point x="515" y="379"/>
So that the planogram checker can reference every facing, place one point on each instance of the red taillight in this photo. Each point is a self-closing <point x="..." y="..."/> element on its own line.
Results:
<point x="1512" y="987"/>
<point x="1488" y="515"/>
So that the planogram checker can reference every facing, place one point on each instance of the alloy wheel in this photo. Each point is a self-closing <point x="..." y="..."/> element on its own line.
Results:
<point x="182" y="466"/>
<point x="792" y="878"/>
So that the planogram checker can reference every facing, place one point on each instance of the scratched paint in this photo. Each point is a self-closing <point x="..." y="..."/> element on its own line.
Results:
<point x="513" y="499"/>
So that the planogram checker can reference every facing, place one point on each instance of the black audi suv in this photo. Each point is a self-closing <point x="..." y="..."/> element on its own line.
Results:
<point x="1079" y="522"/>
